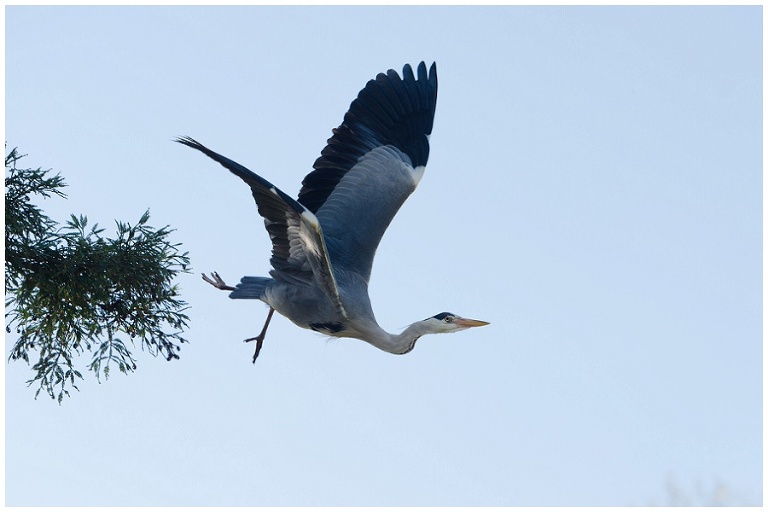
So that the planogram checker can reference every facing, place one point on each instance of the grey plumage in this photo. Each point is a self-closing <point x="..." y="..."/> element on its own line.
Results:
<point x="323" y="244"/>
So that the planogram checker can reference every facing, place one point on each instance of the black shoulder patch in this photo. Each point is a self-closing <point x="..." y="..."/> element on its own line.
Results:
<point x="331" y="327"/>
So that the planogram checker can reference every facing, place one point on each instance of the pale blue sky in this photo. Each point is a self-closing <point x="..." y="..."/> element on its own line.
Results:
<point x="593" y="190"/>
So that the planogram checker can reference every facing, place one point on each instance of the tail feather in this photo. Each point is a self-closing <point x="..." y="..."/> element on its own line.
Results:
<point x="251" y="287"/>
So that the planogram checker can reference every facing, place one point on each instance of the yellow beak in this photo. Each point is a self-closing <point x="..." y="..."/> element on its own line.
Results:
<point x="468" y="322"/>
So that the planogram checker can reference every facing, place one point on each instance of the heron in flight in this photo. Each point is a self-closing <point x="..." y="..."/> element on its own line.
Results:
<point x="324" y="242"/>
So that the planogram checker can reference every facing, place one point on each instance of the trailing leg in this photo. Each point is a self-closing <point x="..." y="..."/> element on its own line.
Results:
<point x="260" y="338"/>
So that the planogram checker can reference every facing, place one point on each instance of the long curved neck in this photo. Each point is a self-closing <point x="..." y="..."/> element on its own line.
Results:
<point x="397" y="343"/>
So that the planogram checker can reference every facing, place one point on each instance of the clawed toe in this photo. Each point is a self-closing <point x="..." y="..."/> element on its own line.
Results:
<point x="259" y="342"/>
<point x="217" y="282"/>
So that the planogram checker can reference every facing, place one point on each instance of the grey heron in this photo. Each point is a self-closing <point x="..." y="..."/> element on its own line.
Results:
<point x="323" y="243"/>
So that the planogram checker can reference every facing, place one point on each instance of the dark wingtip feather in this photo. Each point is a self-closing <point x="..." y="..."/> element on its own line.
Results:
<point x="192" y="143"/>
<point x="408" y="73"/>
<point x="187" y="141"/>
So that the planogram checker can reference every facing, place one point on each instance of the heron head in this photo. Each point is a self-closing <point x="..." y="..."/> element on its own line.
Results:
<point x="450" y="322"/>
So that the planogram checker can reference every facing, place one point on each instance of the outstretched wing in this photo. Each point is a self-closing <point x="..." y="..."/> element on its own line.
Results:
<point x="388" y="111"/>
<point x="299" y="253"/>
<point x="371" y="164"/>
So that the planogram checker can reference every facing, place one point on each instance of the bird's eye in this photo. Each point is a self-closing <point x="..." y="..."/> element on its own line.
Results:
<point x="448" y="319"/>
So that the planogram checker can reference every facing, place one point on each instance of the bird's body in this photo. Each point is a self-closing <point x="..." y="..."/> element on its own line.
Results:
<point x="323" y="244"/>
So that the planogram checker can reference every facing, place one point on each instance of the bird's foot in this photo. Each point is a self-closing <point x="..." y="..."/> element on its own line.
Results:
<point x="217" y="282"/>
<point x="259" y="342"/>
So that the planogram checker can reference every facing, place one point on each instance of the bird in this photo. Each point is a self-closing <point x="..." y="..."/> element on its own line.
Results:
<point x="324" y="242"/>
